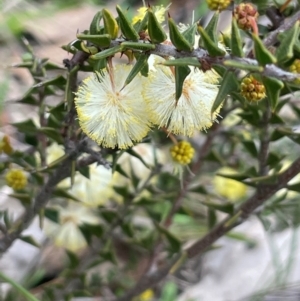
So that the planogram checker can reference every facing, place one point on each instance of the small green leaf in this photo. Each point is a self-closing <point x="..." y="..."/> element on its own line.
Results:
<point x="102" y="40"/>
<point x="294" y="187"/>
<point x="62" y="193"/>
<point x="273" y="87"/>
<point x="126" y="27"/>
<point x="211" y="218"/>
<point x="190" y="33"/>
<point x="111" y="26"/>
<point x="22" y="291"/>
<point x="172" y="240"/>
<point x="243" y="66"/>
<point x="211" y="27"/>
<point x="24" y="198"/>
<point x="209" y="44"/>
<point x="107" y="52"/>
<point x="229" y="84"/>
<point x="156" y="32"/>
<point x="288" y="38"/>
<point x="138" y="46"/>
<point x="52" y="214"/>
<point x="236" y="40"/>
<point x="73" y="259"/>
<point x="177" y="39"/>
<point x="188" y="61"/>
<point x="224" y="207"/>
<point x="250" y="147"/>
<point x="27" y="127"/>
<point x="109" y="215"/>
<point x="169" y="292"/>
<point x="58" y="81"/>
<point x="181" y="72"/>
<point x="262" y="54"/>
<point x="52" y="133"/>
<point x="30" y="240"/>
<point x="95" y="24"/>
<point x="138" y="156"/>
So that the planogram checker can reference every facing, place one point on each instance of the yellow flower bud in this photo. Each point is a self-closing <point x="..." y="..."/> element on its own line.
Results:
<point x="182" y="152"/>
<point x="252" y="89"/>
<point x="16" y="179"/>
<point x="147" y="295"/>
<point x="218" y="4"/>
<point x="295" y="68"/>
<point x="243" y="12"/>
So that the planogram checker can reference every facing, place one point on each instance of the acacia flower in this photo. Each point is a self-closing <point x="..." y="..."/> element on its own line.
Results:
<point x="66" y="233"/>
<point x="110" y="115"/>
<point x="5" y="145"/>
<point x="16" y="179"/>
<point x="192" y="111"/>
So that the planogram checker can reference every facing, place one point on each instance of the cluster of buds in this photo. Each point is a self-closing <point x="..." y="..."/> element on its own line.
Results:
<point x="218" y="4"/>
<point x="5" y="146"/>
<point x="252" y="89"/>
<point x="295" y="68"/>
<point x="16" y="179"/>
<point x="244" y="14"/>
<point x="182" y="152"/>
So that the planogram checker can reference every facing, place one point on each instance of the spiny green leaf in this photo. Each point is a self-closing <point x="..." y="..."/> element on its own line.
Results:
<point x="190" y="34"/>
<point x="102" y="40"/>
<point x="243" y="66"/>
<point x="111" y="26"/>
<point x="188" y="61"/>
<point x="177" y="39"/>
<point x="126" y="27"/>
<point x="107" y="52"/>
<point x="58" y="81"/>
<point x="172" y="240"/>
<point x="156" y="32"/>
<point x="262" y="54"/>
<point x="236" y="40"/>
<point x="209" y="44"/>
<point x="181" y="72"/>
<point x="285" y="50"/>
<point x="30" y="240"/>
<point x="211" y="28"/>
<point x="95" y="24"/>
<point x="229" y="84"/>
<point x="273" y="87"/>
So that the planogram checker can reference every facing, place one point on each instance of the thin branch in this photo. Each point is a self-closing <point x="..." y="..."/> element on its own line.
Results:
<point x="222" y="228"/>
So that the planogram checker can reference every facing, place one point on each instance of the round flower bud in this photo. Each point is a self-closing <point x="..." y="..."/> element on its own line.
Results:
<point x="243" y="12"/>
<point x="252" y="89"/>
<point x="295" y="68"/>
<point x="218" y="4"/>
<point x="16" y="179"/>
<point x="182" y="152"/>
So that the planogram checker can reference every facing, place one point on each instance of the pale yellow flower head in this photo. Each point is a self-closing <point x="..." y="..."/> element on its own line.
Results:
<point x="16" y="179"/>
<point x="110" y="115"/>
<point x="67" y="234"/>
<point x="159" y="11"/>
<point x="228" y="188"/>
<point x="193" y="110"/>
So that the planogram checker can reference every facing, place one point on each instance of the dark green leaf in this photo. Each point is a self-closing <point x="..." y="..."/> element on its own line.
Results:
<point x="190" y="33"/>
<point x="109" y="215"/>
<point x="58" y="81"/>
<point x="174" y="243"/>
<point x="236" y="40"/>
<point x="251" y="148"/>
<point x="181" y="72"/>
<point x="192" y="61"/>
<point x="62" y="193"/>
<point x="262" y="54"/>
<point x="294" y="187"/>
<point x="52" y="133"/>
<point x="211" y="28"/>
<point x="224" y="207"/>
<point x="209" y="44"/>
<point x="211" y="218"/>
<point x="285" y="50"/>
<point x="52" y="214"/>
<point x="73" y="259"/>
<point x="27" y="127"/>
<point x="95" y="24"/>
<point x="229" y="84"/>
<point x="133" y="153"/>
<point x="273" y="87"/>
<point x="30" y="240"/>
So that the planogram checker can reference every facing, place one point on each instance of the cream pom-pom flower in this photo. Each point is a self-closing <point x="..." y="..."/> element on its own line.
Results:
<point x="66" y="232"/>
<point x="109" y="114"/>
<point x="192" y="111"/>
